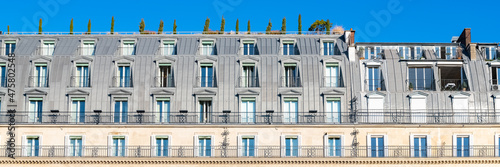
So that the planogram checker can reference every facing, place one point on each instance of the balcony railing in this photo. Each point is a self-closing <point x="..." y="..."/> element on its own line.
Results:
<point x="290" y="81"/>
<point x="261" y="151"/>
<point x="5" y="51"/>
<point x="45" y="50"/>
<point x="167" y="50"/>
<point x="38" y="81"/>
<point x="122" y="81"/>
<point x="207" y="50"/>
<point x="421" y="84"/>
<point x="86" y="50"/>
<point x="248" y="81"/>
<point x="374" y="84"/>
<point x="164" y="81"/>
<point x="332" y="81"/>
<point x="206" y="81"/>
<point x="454" y="84"/>
<point x="80" y="81"/>
<point x="126" y="51"/>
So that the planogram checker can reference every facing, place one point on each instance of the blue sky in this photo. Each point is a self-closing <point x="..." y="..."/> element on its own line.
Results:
<point x="373" y="20"/>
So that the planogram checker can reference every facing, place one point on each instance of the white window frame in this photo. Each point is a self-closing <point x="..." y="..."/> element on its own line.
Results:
<point x="491" y="50"/>
<point x="325" y="145"/>
<point x="25" y="144"/>
<point x="4" y="42"/>
<point x="153" y="145"/>
<point x="85" y="47"/>
<point x="283" y="144"/>
<point x="370" y="50"/>
<point x="242" y="46"/>
<point x="254" y="109"/>
<point x="47" y="41"/>
<point x="110" y="145"/>
<point x="68" y="144"/>
<point x="296" y="113"/>
<point x="338" y="75"/>
<point x="123" y="46"/>
<point x="196" y="149"/>
<point x="162" y="47"/>
<point x="240" y="144"/>
<point x="412" y="144"/>
<point x="322" y="45"/>
<point x="471" y="145"/>
<point x="202" y="48"/>
<point x="369" y="145"/>
<point x="288" y="40"/>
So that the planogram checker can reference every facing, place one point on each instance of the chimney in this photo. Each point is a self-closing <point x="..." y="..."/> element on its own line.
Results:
<point x="465" y="41"/>
<point x="351" y="48"/>
<point x="351" y="42"/>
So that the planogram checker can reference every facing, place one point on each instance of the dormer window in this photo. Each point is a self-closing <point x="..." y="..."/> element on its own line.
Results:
<point x="329" y="48"/>
<point x="10" y="47"/>
<point x="446" y="52"/>
<point x="371" y="52"/>
<point x="128" y="47"/>
<point x="490" y="53"/>
<point x="410" y="53"/>
<point x="88" y="48"/>
<point x="207" y="47"/>
<point x="48" y="47"/>
<point x="249" y="47"/>
<point x="288" y="47"/>
<point x="169" y="48"/>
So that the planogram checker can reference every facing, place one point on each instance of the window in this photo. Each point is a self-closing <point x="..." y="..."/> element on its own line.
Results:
<point x="207" y="75"/>
<point x="35" y="109"/>
<point x="124" y="78"/>
<point x="462" y="144"/>
<point x="128" y="47"/>
<point x="291" y="78"/>
<point x="495" y="75"/>
<point x="419" y="146"/>
<point x="421" y="78"/>
<point x="121" y="110"/>
<point x="118" y="146"/>
<point x="497" y="145"/>
<point x="40" y="75"/>
<point x="375" y="108"/>
<point x="169" y="47"/>
<point x="373" y="52"/>
<point x="248" y="109"/>
<point x="205" y="109"/>
<point x="249" y="47"/>
<point x="333" y="110"/>
<point x="247" y="148"/>
<point x="333" y="146"/>
<point x="77" y="109"/>
<point x="291" y="146"/>
<point x="161" y="146"/>
<point x="451" y="52"/>
<point x="332" y="78"/>
<point x="3" y="74"/>
<point x="329" y="48"/>
<point x="207" y="48"/>
<point x="75" y="147"/>
<point x="48" y="48"/>
<point x="288" y="47"/>
<point x="10" y="47"/>
<point x="290" y="109"/>
<point x="88" y="48"/>
<point x="453" y="79"/>
<point x="410" y="53"/>
<point x="374" y="78"/>
<point x="248" y="76"/>
<point x="490" y="53"/>
<point x="376" y="146"/>
<point x="162" y="109"/>
<point x="32" y="146"/>
<point x="204" y="146"/>
<point x="166" y="78"/>
<point x="82" y="75"/>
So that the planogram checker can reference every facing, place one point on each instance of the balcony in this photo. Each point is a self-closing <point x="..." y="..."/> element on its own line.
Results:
<point x="164" y="81"/>
<point x="454" y="85"/>
<point x="38" y="81"/>
<point x="374" y="85"/>
<point x="421" y="84"/>
<point x="263" y="151"/>
<point x="80" y="81"/>
<point x="290" y="81"/>
<point x="122" y="81"/>
<point x="332" y="81"/>
<point x="206" y="81"/>
<point x="248" y="81"/>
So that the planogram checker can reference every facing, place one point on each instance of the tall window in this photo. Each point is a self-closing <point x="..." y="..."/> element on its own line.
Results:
<point x="3" y="74"/>
<point x="32" y="147"/>
<point x="161" y="146"/>
<point x="10" y="47"/>
<point x="332" y="78"/>
<point x="88" y="48"/>
<point x="421" y="78"/>
<point x="291" y="146"/>
<point x="247" y="109"/>
<point x="495" y="75"/>
<point x="205" y="109"/>
<point x="491" y="53"/>
<point x="375" y="108"/>
<point x="118" y="146"/>
<point x="75" y="146"/>
<point x="207" y="48"/>
<point x="420" y="146"/>
<point x="288" y="47"/>
<point x="40" y="77"/>
<point x="373" y="52"/>
<point x="124" y="75"/>
<point x="121" y="110"/>
<point x="328" y="48"/>
<point x="374" y="78"/>
<point x="248" y="76"/>
<point x="291" y="78"/>
<point x="162" y="109"/>
<point x="462" y="146"/>
<point x="169" y="47"/>
<point x="333" y="109"/>
<point x="334" y="146"/>
<point x="48" y="48"/>
<point x="77" y="109"/>
<point x="377" y="148"/>
<point x="451" y="52"/>
<point x="35" y="109"/>
<point x="249" y="47"/>
<point x="247" y="146"/>
<point x="128" y="47"/>
<point x="82" y="77"/>
<point x="290" y="109"/>
<point x="166" y="78"/>
<point x="204" y="146"/>
<point x="207" y="75"/>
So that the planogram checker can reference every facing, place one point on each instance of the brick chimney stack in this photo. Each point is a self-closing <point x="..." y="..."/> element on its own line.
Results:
<point x="465" y="40"/>
<point x="352" y="49"/>
<point x="351" y="41"/>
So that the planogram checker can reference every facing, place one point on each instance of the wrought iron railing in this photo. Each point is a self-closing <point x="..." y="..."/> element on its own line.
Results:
<point x="122" y="81"/>
<point x="45" y="50"/>
<point x="421" y="84"/>
<point x="248" y="81"/>
<point x="80" y="81"/>
<point x="164" y="81"/>
<point x="290" y="81"/>
<point x="86" y="50"/>
<point x="332" y="81"/>
<point x="206" y="81"/>
<point x="38" y="81"/>
<point x="374" y="85"/>
<point x="126" y="50"/>
<point x="454" y="84"/>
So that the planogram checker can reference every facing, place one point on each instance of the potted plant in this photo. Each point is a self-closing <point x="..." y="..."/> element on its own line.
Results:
<point x="379" y="89"/>
<point x="464" y="86"/>
<point x="410" y="86"/>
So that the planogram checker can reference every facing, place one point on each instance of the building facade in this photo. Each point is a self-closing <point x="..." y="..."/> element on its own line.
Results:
<point x="311" y="98"/>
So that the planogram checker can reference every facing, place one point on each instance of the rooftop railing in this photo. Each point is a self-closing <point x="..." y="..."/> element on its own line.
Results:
<point x="173" y="33"/>
<point x="453" y="84"/>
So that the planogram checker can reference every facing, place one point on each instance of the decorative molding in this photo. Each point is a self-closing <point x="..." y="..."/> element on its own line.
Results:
<point x="35" y="92"/>
<point x="162" y="92"/>
<point x="85" y="58"/>
<point x="120" y="92"/>
<point x="248" y="92"/>
<point x="78" y="92"/>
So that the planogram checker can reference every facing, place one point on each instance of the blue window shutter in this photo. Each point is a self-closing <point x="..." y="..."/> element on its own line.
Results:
<point x="381" y="147"/>
<point x="251" y="147"/>
<point x="158" y="147"/>
<point x="124" y="111"/>
<point x="459" y="146"/>
<point x="288" y="146"/>
<point x="423" y="146"/>
<point x="209" y="147"/>
<point x="466" y="146"/>
<point x="37" y="145"/>
<point x="416" y="147"/>
<point x="117" y="112"/>
<point x="210" y="76"/>
<point x="338" y="147"/>
<point x="374" y="146"/>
